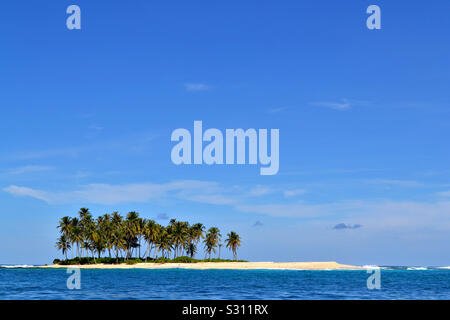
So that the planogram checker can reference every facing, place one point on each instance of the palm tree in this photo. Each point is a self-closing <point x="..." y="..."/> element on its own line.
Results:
<point x="76" y="235"/>
<point x="179" y="235"/>
<point x="233" y="242"/>
<point x="139" y="229"/>
<point x="63" y="245"/>
<point x="106" y="230"/>
<point x="131" y="232"/>
<point x="209" y="245"/>
<point x="118" y="241"/>
<point x="164" y="242"/>
<point x="191" y="249"/>
<point x="65" y="227"/>
<point x="84" y="213"/>
<point x="196" y="233"/>
<point x="211" y="240"/>
<point x="151" y="230"/>
<point x="118" y="234"/>
<point x="84" y="223"/>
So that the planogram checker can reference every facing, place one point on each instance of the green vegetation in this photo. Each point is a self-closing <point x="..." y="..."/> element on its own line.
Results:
<point x="90" y="240"/>
<point x="183" y="259"/>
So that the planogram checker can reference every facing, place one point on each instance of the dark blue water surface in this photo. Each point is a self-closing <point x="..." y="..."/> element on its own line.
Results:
<point x="37" y="283"/>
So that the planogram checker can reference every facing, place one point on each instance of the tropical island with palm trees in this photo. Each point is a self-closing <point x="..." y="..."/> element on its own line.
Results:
<point x="114" y="241"/>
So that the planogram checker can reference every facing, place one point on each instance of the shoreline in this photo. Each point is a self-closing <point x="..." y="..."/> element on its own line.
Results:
<point x="328" y="265"/>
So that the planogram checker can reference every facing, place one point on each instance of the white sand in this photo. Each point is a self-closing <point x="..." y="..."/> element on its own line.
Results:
<point x="220" y="265"/>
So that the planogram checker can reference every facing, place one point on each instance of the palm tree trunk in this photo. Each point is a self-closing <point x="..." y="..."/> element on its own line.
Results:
<point x="139" y="247"/>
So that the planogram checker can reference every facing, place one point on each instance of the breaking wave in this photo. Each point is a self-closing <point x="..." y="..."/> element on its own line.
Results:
<point x="14" y="266"/>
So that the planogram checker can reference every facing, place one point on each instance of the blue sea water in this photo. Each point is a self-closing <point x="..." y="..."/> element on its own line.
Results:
<point x="396" y="283"/>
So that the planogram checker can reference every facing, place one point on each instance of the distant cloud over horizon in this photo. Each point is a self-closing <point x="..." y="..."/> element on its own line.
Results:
<point x="342" y="226"/>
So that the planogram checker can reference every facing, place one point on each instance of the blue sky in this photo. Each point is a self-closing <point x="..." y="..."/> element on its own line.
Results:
<point x="363" y="115"/>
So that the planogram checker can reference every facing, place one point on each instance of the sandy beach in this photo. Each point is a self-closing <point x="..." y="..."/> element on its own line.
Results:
<point x="221" y="265"/>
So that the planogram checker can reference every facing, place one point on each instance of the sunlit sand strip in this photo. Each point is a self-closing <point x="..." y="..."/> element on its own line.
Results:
<point x="331" y="265"/>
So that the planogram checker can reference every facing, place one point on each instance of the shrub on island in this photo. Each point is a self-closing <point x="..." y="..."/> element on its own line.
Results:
<point x="131" y="261"/>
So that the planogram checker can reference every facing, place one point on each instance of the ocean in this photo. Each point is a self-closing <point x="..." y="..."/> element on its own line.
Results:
<point x="395" y="283"/>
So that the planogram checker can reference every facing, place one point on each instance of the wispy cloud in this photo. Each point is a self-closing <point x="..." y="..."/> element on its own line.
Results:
<point x="378" y="214"/>
<point x="374" y="214"/>
<point x="294" y="193"/>
<point x="191" y="190"/>
<point x="24" y="191"/>
<point x="396" y="183"/>
<point x="135" y="142"/>
<point x="192" y="87"/>
<point x="444" y="193"/>
<point x="290" y="210"/>
<point x="29" y="169"/>
<point x="341" y="106"/>
<point x="343" y="226"/>
<point x="38" y="154"/>
<point x="331" y="171"/>
<point x="260" y="190"/>
<point x="96" y="127"/>
<point x="276" y="110"/>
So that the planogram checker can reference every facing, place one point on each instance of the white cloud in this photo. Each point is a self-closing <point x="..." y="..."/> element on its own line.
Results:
<point x="296" y="210"/>
<point x="191" y="87"/>
<point x="293" y="193"/>
<point x="398" y="183"/>
<point x="373" y="214"/>
<point x="23" y="191"/>
<point x="29" y="169"/>
<point x="27" y="155"/>
<point x="260" y="191"/>
<point x="132" y="142"/>
<point x="444" y="193"/>
<point x="341" y="106"/>
<point x="192" y="190"/>
<point x="381" y="214"/>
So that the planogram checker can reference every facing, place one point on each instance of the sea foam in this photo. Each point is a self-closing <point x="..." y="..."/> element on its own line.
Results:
<point x="16" y="266"/>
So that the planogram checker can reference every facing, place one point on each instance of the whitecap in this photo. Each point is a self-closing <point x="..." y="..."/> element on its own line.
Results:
<point x="416" y="268"/>
<point x="370" y="267"/>
<point x="16" y="266"/>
